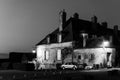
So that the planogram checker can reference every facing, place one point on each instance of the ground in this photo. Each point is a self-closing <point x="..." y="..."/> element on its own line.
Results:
<point x="102" y="74"/>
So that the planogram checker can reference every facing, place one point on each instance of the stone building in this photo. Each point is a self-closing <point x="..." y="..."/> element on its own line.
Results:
<point x="81" y="41"/>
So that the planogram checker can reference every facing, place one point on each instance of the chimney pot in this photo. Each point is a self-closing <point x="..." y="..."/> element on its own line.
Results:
<point x="76" y="16"/>
<point x="104" y="24"/>
<point x="94" y="19"/>
<point x="63" y="17"/>
<point x="116" y="27"/>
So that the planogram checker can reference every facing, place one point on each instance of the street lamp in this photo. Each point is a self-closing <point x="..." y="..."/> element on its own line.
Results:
<point x="33" y="51"/>
<point x="105" y="43"/>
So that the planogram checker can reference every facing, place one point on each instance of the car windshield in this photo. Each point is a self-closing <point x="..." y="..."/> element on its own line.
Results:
<point x="70" y="63"/>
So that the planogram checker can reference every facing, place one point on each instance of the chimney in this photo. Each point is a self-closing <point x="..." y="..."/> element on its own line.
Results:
<point x="116" y="30"/>
<point x="94" y="19"/>
<point x="76" y="16"/>
<point x="62" y="19"/>
<point x="115" y="39"/>
<point x="62" y="24"/>
<point x="94" y="24"/>
<point x="104" y="24"/>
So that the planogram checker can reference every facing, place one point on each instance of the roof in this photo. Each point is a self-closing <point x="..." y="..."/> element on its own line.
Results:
<point x="17" y="56"/>
<point x="53" y="37"/>
<point x="73" y="27"/>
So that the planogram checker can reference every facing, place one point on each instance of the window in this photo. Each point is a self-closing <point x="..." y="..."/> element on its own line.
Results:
<point x="59" y="37"/>
<point x="79" y="57"/>
<point x="46" y="55"/>
<point x="91" y="57"/>
<point x="85" y="56"/>
<point x="108" y="56"/>
<point x="59" y="54"/>
<point x="48" y="39"/>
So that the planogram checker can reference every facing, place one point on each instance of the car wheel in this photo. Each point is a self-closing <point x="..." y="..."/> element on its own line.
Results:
<point x="63" y="68"/>
<point x="74" y="68"/>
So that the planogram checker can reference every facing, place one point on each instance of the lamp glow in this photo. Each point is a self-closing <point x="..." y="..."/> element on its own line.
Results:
<point x="105" y="43"/>
<point x="33" y="51"/>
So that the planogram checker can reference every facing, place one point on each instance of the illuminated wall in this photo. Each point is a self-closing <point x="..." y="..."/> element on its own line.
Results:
<point x="40" y="53"/>
<point x="50" y="54"/>
<point x="95" y="55"/>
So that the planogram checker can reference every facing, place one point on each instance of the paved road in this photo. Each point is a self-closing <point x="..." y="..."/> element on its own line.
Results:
<point x="103" y="74"/>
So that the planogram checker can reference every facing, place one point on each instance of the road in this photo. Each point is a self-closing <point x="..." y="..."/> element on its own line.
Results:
<point x="103" y="74"/>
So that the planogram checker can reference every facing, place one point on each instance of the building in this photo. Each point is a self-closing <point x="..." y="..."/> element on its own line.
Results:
<point x="81" y="41"/>
<point x="21" y="57"/>
<point x="20" y="60"/>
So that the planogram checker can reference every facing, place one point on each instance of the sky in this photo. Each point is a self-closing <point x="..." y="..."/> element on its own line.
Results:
<point x="23" y="23"/>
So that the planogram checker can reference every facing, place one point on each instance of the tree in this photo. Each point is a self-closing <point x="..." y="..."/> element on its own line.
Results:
<point x="66" y="51"/>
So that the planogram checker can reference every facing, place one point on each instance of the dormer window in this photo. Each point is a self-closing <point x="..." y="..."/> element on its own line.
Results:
<point x="48" y="39"/>
<point x="84" y="36"/>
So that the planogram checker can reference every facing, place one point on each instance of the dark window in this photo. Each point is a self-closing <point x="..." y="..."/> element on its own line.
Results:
<point x="91" y="57"/>
<point x="79" y="57"/>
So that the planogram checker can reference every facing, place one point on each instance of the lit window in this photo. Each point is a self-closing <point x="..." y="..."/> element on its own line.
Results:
<point x="48" y="39"/>
<point x="59" y="38"/>
<point x="59" y="54"/>
<point x="46" y="55"/>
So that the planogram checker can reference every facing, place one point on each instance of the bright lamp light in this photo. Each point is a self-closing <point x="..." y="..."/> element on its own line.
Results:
<point x="33" y="51"/>
<point x="105" y="43"/>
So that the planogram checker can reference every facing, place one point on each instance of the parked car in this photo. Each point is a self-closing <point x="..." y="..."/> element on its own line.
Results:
<point x="81" y="66"/>
<point x="69" y="65"/>
<point x="89" y="67"/>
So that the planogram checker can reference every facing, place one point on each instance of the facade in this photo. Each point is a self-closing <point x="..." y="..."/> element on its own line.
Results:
<point x="80" y="41"/>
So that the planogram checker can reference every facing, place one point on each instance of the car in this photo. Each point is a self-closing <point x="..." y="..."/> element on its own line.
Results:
<point x="69" y="65"/>
<point x="88" y="67"/>
<point x="81" y="66"/>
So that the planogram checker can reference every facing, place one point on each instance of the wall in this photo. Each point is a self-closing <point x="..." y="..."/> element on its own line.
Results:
<point x="95" y="56"/>
<point x="85" y="55"/>
<point x="52" y="53"/>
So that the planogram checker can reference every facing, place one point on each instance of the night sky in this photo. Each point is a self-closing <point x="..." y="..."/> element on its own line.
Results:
<point x="23" y="23"/>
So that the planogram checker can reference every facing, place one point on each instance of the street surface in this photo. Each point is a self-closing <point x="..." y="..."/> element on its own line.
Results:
<point x="102" y="74"/>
